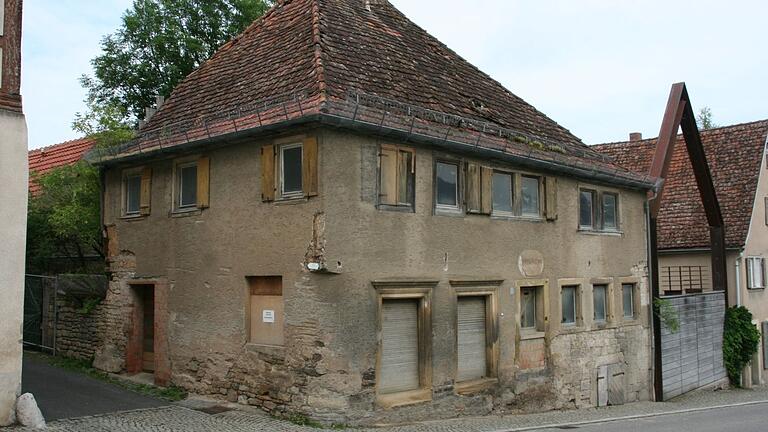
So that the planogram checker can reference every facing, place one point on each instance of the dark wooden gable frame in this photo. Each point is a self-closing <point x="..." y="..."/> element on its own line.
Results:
<point x="679" y="114"/>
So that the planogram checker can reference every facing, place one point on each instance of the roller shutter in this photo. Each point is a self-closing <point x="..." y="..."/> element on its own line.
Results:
<point x="471" y="338"/>
<point x="399" y="346"/>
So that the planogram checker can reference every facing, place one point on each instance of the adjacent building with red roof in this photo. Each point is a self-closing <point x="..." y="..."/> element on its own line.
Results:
<point x="337" y="215"/>
<point x="45" y="159"/>
<point x="737" y="159"/>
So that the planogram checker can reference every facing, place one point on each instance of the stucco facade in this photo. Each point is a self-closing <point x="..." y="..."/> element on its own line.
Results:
<point x="327" y="366"/>
<point x="13" y="212"/>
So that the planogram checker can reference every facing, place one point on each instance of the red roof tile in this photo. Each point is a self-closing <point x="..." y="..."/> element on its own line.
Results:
<point x="734" y="154"/>
<point x="45" y="159"/>
<point x="329" y="49"/>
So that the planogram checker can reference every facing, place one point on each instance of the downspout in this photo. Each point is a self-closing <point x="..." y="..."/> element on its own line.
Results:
<point x="653" y="277"/>
<point x="738" y="278"/>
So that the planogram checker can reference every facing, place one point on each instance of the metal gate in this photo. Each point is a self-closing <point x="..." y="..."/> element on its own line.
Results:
<point x="40" y="312"/>
<point x="692" y="357"/>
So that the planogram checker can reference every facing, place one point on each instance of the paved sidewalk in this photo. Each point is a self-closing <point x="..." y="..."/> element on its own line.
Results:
<point x="180" y="418"/>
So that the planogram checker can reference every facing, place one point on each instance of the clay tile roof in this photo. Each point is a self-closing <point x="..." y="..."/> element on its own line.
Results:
<point x="322" y="51"/>
<point x="734" y="154"/>
<point x="45" y="159"/>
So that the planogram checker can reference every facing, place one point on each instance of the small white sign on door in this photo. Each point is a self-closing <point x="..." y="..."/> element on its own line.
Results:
<point x="268" y="316"/>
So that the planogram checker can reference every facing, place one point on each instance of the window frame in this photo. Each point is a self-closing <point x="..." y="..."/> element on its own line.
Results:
<point x="576" y="304"/>
<point x="598" y="210"/>
<point x="178" y="207"/>
<point x="521" y="211"/>
<point x="410" y="181"/>
<point x="420" y="291"/>
<point x="445" y="208"/>
<point x="489" y="290"/>
<point x="606" y="303"/>
<point x="130" y="173"/>
<point x="541" y="300"/>
<point x="633" y="306"/>
<point x="750" y="272"/>
<point x="504" y="213"/>
<point x="283" y="194"/>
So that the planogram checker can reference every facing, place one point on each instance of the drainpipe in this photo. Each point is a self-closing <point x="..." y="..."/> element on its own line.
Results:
<point x="653" y="279"/>
<point x="738" y="280"/>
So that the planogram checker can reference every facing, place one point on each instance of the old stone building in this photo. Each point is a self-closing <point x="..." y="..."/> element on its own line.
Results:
<point x="337" y="215"/>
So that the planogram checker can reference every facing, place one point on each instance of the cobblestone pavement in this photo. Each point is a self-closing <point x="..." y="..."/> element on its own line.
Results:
<point x="183" y="418"/>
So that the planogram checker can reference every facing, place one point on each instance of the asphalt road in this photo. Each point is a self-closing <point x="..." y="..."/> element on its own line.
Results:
<point x="747" y="418"/>
<point x="65" y="394"/>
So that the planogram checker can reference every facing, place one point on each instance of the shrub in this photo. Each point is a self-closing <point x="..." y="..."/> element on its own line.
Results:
<point x="740" y="341"/>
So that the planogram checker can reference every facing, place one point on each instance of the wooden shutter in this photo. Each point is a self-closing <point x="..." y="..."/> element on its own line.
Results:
<point x="471" y="339"/>
<point x="268" y="173"/>
<point x="309" y="167"/>
<point x="399" y="367"/>
<point x="472" y="189"/>
<point x="550" y="198"/>
<point x="388" y="175"/>
<point x="203" y="182"/>
<point x="145" y="196"/>
<point x="486" y="191"/>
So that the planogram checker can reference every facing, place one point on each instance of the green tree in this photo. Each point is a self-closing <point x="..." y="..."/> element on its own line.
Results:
<point x="64" y="218"/>
<point x="158" y="44"/>
<point x="704" y="119"/>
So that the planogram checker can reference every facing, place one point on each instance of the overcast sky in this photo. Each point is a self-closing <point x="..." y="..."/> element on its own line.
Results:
<point x="601" y="68"/>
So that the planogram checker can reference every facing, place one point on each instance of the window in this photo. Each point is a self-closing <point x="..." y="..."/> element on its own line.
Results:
<point x="569" y="303"/>
<point x="266" y="310"/>
<point x="586" y="209"/>
<point x="187" y="185"/>
<point x="530" y="196"/>
<point x="628" y="300"/>
<point x="528" y="307"/>
<point x="502" y="193"/>
<point x="447" y="185"/>
<point x="396" y="176"/>
<point x="598" y="211"/>
<point x="291" y="159"/>
<point x="755" y="272"/>
<point x="610" y="221"/>
<point x="471" y="338"/>
<point x="132" y="194"/>
<point x="599" y="299"/>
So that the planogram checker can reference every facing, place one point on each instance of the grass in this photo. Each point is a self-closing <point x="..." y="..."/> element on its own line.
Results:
<point x="170" y="393"/>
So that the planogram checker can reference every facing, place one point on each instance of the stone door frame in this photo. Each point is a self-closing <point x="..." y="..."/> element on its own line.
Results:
<point x="134" y="349"/>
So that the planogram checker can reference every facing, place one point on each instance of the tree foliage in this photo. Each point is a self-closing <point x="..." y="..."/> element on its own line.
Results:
<point x="704" y="119"/>
<point x="740" y="341"/>
<point x="158" y="44"/>
<point x="64" y="218"/>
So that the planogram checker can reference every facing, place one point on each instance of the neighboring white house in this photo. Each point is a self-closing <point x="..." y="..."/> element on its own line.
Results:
<point x="13" y="211"/>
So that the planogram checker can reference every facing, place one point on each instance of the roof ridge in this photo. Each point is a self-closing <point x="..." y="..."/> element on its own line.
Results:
<point x="318" y="52"/>
<point x="61" y="144"/>
<point x="701" y="131"/>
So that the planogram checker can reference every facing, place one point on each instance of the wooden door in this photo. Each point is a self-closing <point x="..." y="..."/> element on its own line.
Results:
<point x="148" y="340"/>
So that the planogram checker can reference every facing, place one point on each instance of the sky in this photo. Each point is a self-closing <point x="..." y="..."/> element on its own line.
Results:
<point x="600" y="68"/>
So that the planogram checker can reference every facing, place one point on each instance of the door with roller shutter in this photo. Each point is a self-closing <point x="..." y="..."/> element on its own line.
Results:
<point x="471" y="338"/>
<point x="399" y="346"/>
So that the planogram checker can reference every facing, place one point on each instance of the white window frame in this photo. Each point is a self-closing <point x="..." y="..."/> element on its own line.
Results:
<point x="633" y="287"/>
<point x="606" y="303"/>
<point x="576" y="288"/>
<point x="615" y="211"/>
<point x="457" y="192"/>
<point x="281" y="179"/>
<point x="593" y="221"/>
<point x="179" y="167"/>
<point x="755" y="263"/>
<point x="130" y="173"/>
<point x="522" y="178"/>
<point x="511" y="185"/>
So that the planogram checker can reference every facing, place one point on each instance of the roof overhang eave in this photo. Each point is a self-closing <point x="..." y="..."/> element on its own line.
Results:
<point x="591" y="175"/>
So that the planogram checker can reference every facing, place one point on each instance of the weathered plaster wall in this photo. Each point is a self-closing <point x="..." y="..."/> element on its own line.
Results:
<point x="327" y="369"/>
<point x="13" y="213"/>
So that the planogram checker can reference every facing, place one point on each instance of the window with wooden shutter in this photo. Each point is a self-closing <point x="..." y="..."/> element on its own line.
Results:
<point x="472" y="189"/>
<point x="309" y="167"/>
<point x="132" y="185"/>
<point x="399" y="369"/>
<point x="268" y="173"/>
<point x="471" y="338"/>
<point x="145" y="198"/>
<point x="203" y="182"/>
<point x="550" y="198"/>
<point x="486" y="196"/>
<point x="186" y="186"/>
<point x="396" y="175"/>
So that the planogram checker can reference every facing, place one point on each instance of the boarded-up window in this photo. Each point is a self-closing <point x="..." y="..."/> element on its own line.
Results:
<point x="399" y="368"/>
<point x="396" y="175"/>
<point x="471" y="338"/>
<point x="266" y="310"/>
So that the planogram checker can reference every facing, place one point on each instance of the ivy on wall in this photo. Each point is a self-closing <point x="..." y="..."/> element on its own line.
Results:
<point x="740" y="342"/>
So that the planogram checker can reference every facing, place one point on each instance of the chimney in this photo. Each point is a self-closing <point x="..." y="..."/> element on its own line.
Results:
<point x="635" y="136"/>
